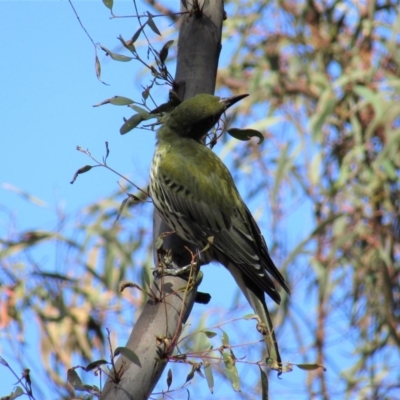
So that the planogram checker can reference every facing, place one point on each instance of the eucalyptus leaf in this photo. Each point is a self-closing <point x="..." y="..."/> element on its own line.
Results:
<point x="164" y="51"/>
<point x="209" y="376"/>
<point x="231" y="371"/>
<point x="131" y="123"/>
<point x="120" y="101"/>
<point x="109" y="3"/>
<point x="152" y="25"/>
<point x="129" y="354"/>
<point x="115" y="56"/>
<point x="245" y="134"/>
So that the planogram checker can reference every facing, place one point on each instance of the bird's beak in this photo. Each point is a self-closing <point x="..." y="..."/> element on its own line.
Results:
<point x="230" y="101"/>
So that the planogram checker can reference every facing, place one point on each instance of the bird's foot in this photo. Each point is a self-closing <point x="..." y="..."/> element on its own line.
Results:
<point x="162" y="271"/>
<point x="262" y="328"/>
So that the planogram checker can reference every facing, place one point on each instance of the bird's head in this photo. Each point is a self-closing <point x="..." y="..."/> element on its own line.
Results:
<point x="196" y="116"/>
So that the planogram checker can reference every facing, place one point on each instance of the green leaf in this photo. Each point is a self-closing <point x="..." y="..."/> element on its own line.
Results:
<point x="127" y="44"/>
<point x="390" y="169"/>
<point x="74" y="379"/>
<point x="98" y="67"/>
<point x="82" y="170"/>
<point x="17" y="392"/>
<point x="210" y="334"/>
<point x="225" y="339"/>
<point x="315" y="169"/>
<point x="114" y="56"/>
<point x="169" y="378"/>
<point x="285" y="162"/>
<point x="209" y="376"/>
<point x="145" y="93"/>
<point x="116" y="101"/>
<point x="249" y="316"/>
<point x="190" y="375"/>
<point x="152" y="25"/>
<point x="131" y="123"/>
<point x="108" y="3"/>
<point x="231" y="371"/>
<point x="164" y="51"/>
<point x="245" y="134"/>
<point x="95" y="364"/>
<point x="137" y="34"/>
<point x="325" y="107"/>
<point x="310" y="367"/>
<point x="120" y="101"/>
<point x="144" y="113"/>
<point x="129" y="354"/>
<point x="371" y="97"/>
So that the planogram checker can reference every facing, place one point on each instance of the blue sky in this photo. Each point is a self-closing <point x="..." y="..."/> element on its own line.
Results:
<point x="48" y="89"/>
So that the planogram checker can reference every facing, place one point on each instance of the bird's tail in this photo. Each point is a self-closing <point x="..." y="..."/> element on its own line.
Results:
<point x="255" y="297"/>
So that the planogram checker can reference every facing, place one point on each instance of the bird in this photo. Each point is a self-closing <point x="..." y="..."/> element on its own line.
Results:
<point x="195" y="194"/>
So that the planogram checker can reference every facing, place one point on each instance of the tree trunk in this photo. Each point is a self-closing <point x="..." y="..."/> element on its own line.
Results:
<point x="158" y="328"/>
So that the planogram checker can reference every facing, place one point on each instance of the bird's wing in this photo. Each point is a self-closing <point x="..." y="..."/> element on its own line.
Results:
<point x="245" y="246"/>
<point x="198" y="192"/>
<point x="204" y="193"/>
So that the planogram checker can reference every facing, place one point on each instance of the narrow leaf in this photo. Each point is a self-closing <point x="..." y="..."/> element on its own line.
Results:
<point x="120" y="101"/>
<point x="315" y="169"/>
<point x="108" y="3"/>
<point x="249" y="316"/>
<point x="245" y="134"/>
<point x="127" y="44"/>
<point x="184" y="4"/>
<point x="169" y="378"/>
<point x="116" y="101"/>
<point x="231" y="371"/>
<point x="225" y="339"/>
<point x="82" y="170"/>
<point x="130" y="124"/>
<point x="115" y="56"/>
<point x="152" y="25"/>
<point x="73" y="379"/>
<point x="209" y="376"/>
<point x="98" y="67"/>
<point x="136" y="34"/>
<point x="325" y="107"/>
<point x="190" y="375"/>
<point x="164" y="51"/>
<point x="144" y="114"/>
<point x="17" y="392"/>
<point x="95" y="364"/>
<point x="129" y="354"/>
<point x="284" y="164"/>
<point x="310" y="367"/>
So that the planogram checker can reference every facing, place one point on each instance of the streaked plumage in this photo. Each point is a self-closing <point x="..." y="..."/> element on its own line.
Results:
<point x="197" y="197"/>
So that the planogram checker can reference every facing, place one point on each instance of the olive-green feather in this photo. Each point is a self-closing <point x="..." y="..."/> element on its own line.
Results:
<point x="197" y="198"/>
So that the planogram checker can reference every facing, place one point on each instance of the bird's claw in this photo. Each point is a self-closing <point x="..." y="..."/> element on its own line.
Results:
<point x="262" y="328"/>
<point x="162" y="271"/>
